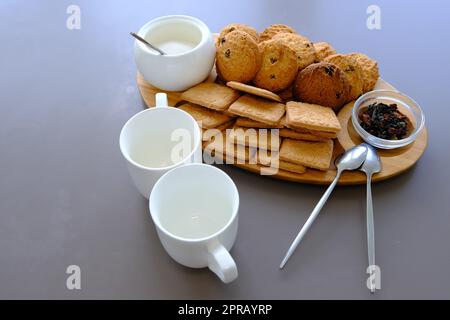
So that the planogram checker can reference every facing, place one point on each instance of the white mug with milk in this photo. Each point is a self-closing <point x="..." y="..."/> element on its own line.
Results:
<point x="195" y="210"/>
<point x="157" y="140"/>
<point x="190" y="52"/>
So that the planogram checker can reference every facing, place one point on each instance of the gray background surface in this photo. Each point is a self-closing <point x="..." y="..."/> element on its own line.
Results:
<point x="66" y="198"/>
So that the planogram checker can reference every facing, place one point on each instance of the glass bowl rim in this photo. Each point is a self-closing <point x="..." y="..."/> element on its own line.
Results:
<point x="391" y="143"/>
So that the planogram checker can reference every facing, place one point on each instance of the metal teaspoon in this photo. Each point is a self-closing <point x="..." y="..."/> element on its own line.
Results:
<point x="370" y="166"/>
<point x="352" y="159"/>
<point x="148" y="43"/>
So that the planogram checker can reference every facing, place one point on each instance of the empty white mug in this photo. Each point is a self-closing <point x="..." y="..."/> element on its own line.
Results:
<point x="157" y="140"/>
<point x="195" y="210"/>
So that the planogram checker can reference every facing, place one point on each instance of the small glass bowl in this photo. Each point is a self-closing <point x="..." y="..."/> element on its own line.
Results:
<point x="406" y="106"/>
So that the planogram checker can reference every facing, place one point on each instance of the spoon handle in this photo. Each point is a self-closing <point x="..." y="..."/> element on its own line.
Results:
<point x="370" y="228"/>
<point x="148" y="43"/>
<point x="310" y="220"/>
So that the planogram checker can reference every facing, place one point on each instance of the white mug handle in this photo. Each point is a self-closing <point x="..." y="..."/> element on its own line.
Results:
<point x="221" y="263"/>
<point x="161" y="100"/>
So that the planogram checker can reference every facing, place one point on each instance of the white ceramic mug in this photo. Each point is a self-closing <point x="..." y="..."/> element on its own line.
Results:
<point x="190" y="52"/>
<point x="157" y="140"/>
<point x="195" y="210"/>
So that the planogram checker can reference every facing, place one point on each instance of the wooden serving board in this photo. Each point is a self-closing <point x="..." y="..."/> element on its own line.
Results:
<point x="394" y="162"/>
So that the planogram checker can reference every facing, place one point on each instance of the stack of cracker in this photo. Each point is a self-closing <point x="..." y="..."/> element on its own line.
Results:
<point x="207" y="103"/>
<point x="314" y="127"/>
<point x="243" y="124"/>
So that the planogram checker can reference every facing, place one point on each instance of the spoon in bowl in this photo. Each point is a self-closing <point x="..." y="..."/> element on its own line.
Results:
<point x="148" y="44"/>
<point x="370" y="166"/>
<point x="352" y="159"/>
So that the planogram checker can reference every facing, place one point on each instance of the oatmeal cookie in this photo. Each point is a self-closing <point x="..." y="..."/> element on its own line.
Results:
<point x="369" y="70"/>
<point x="303" y="47"/>
<point x="324" y="84"/>
<point x="238" y="57"/>
<point x="352" y="70"/>
<point x="278" y="68"/>
<point x="274" y="29"/>
<point x="241" y="27"/>
<point x="323" y="50"/>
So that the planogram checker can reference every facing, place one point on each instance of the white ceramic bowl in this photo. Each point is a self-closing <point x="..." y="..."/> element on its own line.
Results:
<point x="175" y="71"/>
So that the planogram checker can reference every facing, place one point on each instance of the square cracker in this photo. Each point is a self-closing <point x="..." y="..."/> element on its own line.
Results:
<point x="315" y="155"/>
<point x="320" y="134"/>
<point x="211" y="95"/>
<point x="263" y="93"/>
<point x="208" y="134"/>
<point x="205" y="118"/>
<point x="267" y="158"/>
<point x="312" y="117"/>
<point x="258" y="109"/>
<point x="227" y="113"/>
<point x="250" y="137"/>
<point x="249" y="123"/>
<point x="292" y="134"/>
<point x="304" y="134"/>
<point x="222" y="148"/>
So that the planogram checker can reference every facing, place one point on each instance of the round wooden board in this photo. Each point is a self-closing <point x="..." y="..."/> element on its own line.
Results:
<point x="394" y="162"/>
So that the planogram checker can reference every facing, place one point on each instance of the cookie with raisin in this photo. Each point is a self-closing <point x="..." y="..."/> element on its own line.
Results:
<point x="303" y="47"/>
<point x="324" y="84"/>
<point x="238" y="57"/>
<point x="274" y="29"/>
<point x="370" y="70"/>
<point x="241" y="27"/>
<point x="323" y="50"/>
<point x="278" y="68"/>
<point x="352" y="70"/>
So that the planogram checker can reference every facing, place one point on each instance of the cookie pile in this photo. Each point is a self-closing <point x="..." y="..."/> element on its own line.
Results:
<point x="278" y="79"/>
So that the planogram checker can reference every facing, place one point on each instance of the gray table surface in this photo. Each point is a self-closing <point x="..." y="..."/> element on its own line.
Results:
<point x="66" y="197"/>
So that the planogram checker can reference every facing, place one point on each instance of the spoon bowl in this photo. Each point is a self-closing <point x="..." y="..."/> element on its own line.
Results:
<point x="372" y="164"/>
<point x="353" y="158"/>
